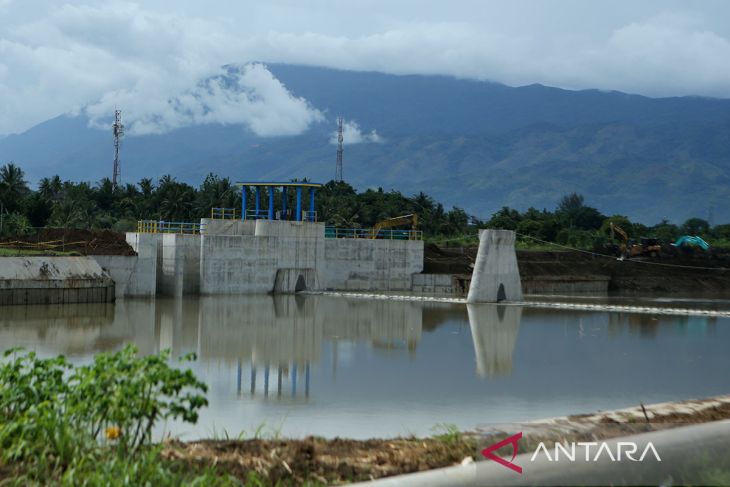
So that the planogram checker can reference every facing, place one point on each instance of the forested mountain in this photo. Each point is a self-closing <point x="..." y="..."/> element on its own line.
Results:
<point x="478" y="145"/>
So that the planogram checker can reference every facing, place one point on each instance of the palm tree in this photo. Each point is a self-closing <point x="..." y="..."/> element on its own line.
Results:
<point x="12" y="186"/>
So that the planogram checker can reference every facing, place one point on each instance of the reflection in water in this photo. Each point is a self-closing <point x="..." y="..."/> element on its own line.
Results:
<point x="332" y="366"/>
<point x="494" y="332"/>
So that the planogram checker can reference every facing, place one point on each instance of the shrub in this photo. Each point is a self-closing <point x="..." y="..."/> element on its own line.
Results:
<point x="60" y="421"/>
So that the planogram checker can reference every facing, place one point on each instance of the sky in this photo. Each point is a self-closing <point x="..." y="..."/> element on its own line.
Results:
<point x="162" y="60"/>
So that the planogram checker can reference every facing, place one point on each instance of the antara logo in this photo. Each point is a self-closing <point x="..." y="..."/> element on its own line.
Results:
<point x="620" y="451"/>
<point x="512" y="440"/>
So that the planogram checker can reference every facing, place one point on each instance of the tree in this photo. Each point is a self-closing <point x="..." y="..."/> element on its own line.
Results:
<point x="695" y="226"/>
<point x="13" y="186"/>
<point x="570" y="202"/>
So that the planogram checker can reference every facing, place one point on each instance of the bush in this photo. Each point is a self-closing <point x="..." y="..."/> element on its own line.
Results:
<point x="60" y="421"/>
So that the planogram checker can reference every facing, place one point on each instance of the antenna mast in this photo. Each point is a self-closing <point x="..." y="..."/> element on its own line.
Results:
<point x="118" y="130"/>
<point x="340" y="138"/>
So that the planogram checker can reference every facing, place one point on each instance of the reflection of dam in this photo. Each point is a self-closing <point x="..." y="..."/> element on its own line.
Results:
<point x="261" y="329"/>
<point x="494" y="331"/>
<point x="75" y="329"/>
<point x="274" y="339"/>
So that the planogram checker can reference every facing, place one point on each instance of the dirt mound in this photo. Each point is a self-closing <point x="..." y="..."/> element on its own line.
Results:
<point x="84" y="242"/>
<point x="295" y="462"/>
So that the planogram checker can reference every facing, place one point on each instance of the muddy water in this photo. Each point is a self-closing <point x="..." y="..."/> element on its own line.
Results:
<point x="342" y="367"/>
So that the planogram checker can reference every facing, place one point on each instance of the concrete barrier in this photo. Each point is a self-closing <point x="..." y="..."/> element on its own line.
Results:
<point x="132" y="275"/>
<point x="496" y="276"/>
<point x="53" y="280"/>
<point x="369" y="264"/>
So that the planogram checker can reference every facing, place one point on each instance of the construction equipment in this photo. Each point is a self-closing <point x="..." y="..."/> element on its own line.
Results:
<point x="691" y="241"/>
<point x="411" y="219"/>
<point x="630" y="248"/>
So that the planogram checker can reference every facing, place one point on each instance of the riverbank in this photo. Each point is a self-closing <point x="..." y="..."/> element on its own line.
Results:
<point x="571" y="272"/>
<point x="339" y="461"/>
<point x="94" y="422"/>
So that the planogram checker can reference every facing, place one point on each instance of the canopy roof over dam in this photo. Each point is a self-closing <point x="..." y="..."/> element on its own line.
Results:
<point x="284" y="213"/>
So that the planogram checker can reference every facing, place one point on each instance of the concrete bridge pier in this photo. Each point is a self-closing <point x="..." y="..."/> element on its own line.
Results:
<point x="496" y="276"/>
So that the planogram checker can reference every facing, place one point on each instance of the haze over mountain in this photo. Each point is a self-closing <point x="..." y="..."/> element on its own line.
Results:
<point x="475" y="144"/>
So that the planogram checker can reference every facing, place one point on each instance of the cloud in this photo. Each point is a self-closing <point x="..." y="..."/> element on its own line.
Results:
<point x="163" y="66"/>
<point x="165" y="72"/>
<point x="351" y="134"/>
<point x="249" y="95"/>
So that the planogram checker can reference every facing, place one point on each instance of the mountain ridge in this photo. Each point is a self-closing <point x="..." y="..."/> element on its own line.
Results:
<point x="478" y="145"/>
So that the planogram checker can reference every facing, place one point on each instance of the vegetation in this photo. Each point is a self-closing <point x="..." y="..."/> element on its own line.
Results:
<point x="58" y="203"/>
<point x="93" y="424"/>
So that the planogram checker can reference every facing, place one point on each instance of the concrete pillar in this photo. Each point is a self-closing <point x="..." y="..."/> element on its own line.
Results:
<point x="258" y="200"/>
<point x="496" y="276"/>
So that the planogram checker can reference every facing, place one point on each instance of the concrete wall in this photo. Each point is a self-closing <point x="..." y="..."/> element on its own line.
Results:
<point x="262" y="256"/>
<point x="442" y="284"/>
<point x="365" y="264"/>
<point x="53" y="280"/>
<point x="249" y="265"/>
<point x="594" y="285"/>
<point x="132" y="275"/>
<point x="179" y="265"/>
<point x="227" y="227"/>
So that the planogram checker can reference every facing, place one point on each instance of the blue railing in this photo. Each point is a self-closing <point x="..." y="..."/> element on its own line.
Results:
<point x="370" y="233"/>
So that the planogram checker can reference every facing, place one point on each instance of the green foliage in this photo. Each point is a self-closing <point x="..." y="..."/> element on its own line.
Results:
<point x="447" y="433"/>
<point x="15" y="224"/>
<point x="82" y="205"/>
<point x="93" y="423"/>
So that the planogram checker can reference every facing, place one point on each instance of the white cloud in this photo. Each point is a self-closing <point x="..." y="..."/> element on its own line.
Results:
<point x="156" y="67"/>
<point x="250" y="95"/>
<point x="57" y="57"/>
<point x="351" y="134"/>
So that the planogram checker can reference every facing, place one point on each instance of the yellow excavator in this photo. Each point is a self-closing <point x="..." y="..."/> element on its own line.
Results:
<point x="629" y="248"/>
<point x="398" y="221"/>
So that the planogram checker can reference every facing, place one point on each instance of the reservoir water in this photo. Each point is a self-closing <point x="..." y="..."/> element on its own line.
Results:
<point x="333" y="366"/>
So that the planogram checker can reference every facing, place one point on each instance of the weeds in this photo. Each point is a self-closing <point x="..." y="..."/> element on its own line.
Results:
<point x="92" y="424"/>
<point x="447" y="433"/>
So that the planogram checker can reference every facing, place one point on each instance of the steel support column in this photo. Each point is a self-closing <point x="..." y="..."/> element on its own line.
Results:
<point x="283" y="203"/>
<point x="299" y="203"/>
<point x="244" y="194"/>
<point x="311" y="204"/>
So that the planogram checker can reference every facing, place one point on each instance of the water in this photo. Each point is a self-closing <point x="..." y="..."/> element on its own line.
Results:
<point x="362" y="368"/>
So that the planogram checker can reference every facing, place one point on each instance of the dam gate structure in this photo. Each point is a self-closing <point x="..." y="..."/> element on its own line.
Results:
<point x="275" y="244"/>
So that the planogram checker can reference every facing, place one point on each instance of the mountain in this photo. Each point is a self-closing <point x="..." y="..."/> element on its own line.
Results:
<point x="478" y="145"/>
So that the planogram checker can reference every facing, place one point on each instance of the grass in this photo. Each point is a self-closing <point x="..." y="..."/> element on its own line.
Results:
<point x="8" y="252"/>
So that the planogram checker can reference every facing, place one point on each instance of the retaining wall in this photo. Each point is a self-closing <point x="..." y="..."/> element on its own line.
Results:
<point x="179" y="264"/>
<point x="132" y="275"/>
<point x="442" y="284"/>
<point x="365" y="264"/>
<point x="53" y="280"/>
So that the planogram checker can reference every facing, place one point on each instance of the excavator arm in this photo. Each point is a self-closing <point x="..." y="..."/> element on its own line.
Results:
<point x="411" y="219"/>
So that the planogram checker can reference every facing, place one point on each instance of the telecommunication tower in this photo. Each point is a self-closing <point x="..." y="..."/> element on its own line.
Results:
<point x="118" y="130"/>
<point x="340" y="138"/>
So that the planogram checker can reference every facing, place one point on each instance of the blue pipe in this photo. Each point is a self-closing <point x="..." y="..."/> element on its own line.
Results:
<point x="299" y="203"/>
<point x="311" y="204"/>
<point x="271" y="202"/>
<point x="283" y="203"/>
<point x="244" y="193"/>
<point x="258" y="200"/>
